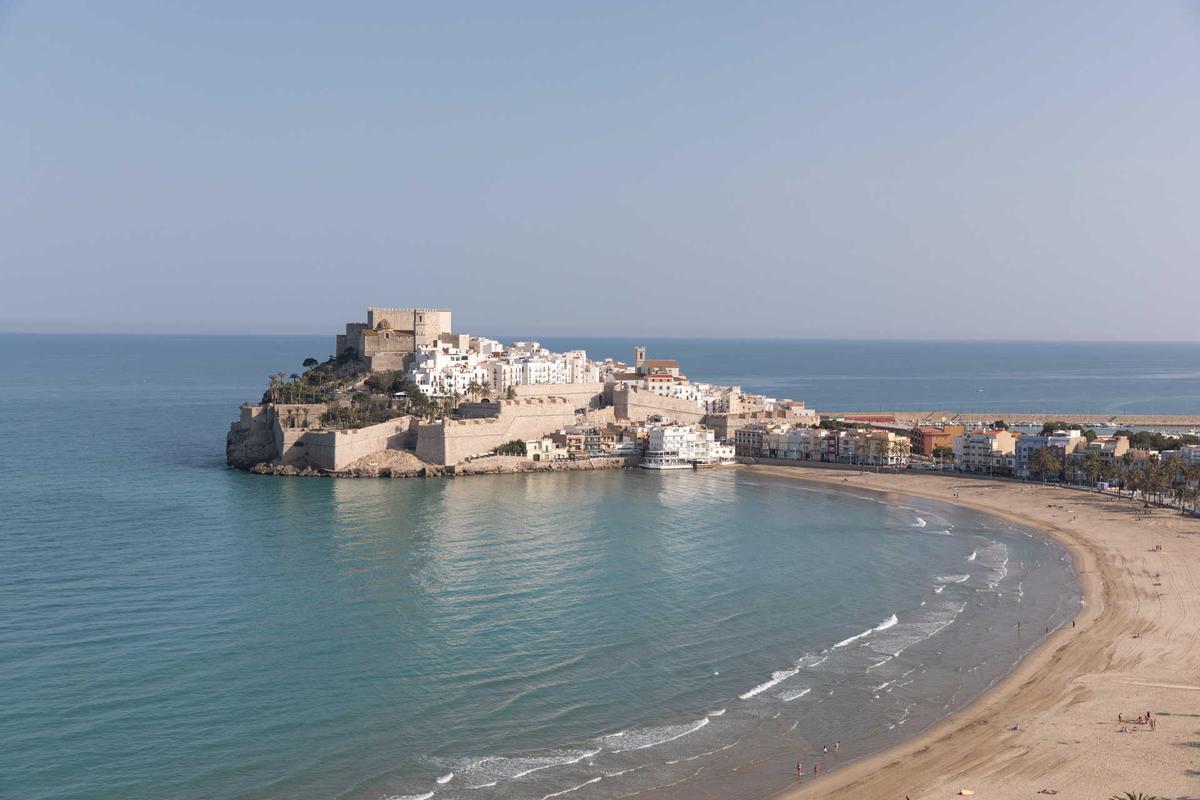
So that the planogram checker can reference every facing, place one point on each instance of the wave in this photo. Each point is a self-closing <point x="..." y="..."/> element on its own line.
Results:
<point x="793" y="694"/>
<point x="995" y="557"/>
<point x="920" y="523"/>
<point x="943" y="579"/>
<point x="717" y="713"/>
<point x="821" y="658"/>
<point x="573" y="788"/>
<point x="883" y="626"/>
<point x="492" y="769"/>
<point x="972" y="556"/>
<point x="939" y="589"/>
<point x="778" y="676"/>
<point x="650" y="737"/>
<point x="425" y="796"/>
<point x="446" y="778"/>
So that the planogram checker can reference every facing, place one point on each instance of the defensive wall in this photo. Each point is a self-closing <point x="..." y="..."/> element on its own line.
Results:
<point x="450" y="441"/>
<point x="335" y="450"/>
<point x="636" y="404"/>
<point x="584" y="395"/>
<point x="276" y="434"/>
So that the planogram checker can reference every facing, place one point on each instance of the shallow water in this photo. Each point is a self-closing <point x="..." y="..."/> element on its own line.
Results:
<point x="170" y="628"/>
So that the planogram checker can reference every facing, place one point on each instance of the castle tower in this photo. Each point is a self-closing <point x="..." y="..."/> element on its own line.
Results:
<point x="639" y="356"/>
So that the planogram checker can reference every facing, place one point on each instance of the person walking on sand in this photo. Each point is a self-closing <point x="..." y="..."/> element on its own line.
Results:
<point x="824" y="749"/>
<point x="799" y="768"/>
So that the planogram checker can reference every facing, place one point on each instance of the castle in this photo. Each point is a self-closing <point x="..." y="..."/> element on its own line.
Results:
<point x="390" y="336"/>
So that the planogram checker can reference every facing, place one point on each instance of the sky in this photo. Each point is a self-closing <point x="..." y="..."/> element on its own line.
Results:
<point x="1017" y="170"/>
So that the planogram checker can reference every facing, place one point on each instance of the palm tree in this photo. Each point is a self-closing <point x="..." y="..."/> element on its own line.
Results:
<point x="1091" y="468"/>
<point x="1193" y="496"/>
<point x="1044" y="460"/>
<point x="1134" y="796"/>
<point x="1135" y="480"/>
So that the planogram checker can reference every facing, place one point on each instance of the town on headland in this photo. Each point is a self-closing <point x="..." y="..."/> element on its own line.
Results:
<point x="406" y="395"/>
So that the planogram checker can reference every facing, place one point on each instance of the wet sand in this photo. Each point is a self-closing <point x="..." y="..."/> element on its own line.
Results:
<point x="1051" y="724"/>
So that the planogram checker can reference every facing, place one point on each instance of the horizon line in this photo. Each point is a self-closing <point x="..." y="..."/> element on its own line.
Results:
<point x="680" y="337"/>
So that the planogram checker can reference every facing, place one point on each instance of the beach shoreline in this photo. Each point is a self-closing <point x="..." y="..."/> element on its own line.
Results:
<point x="1049" y="725"/>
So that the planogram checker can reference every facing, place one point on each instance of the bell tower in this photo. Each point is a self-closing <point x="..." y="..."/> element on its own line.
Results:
<point x="639" y="356"/>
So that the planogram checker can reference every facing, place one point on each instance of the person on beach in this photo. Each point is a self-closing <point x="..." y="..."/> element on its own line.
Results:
<point x="799" y="768"/>
<point x="836" y="745"/>
<point x="816" y="769"/>
<point x="824" y="749"/>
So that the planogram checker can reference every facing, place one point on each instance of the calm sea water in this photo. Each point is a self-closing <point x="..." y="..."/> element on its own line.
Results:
<point x="173" y="629"/>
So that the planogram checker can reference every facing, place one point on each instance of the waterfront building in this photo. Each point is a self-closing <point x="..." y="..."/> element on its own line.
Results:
<point x="873" y="447"/>
<point x="1064" y="443"/>
<point x="984" y="451"/>
<point x="681" y="446"/>
<point x="544" y="449"/>
<point x="927" y="439"/>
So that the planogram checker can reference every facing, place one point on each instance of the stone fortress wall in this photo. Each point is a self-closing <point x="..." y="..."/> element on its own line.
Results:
<point x="450" y="441"/>
<point x="636" y="404"/>
<point x="583" y="395"/>
<point x="335" y="450"/>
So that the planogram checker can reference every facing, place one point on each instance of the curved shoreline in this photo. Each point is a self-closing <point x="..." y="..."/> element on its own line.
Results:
<point x="976" y="746"/>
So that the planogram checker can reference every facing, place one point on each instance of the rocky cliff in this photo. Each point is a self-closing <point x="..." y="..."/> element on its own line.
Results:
<point x="251" y="438"/>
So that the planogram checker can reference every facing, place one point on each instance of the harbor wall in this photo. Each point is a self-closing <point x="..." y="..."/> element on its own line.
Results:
<point x="1022" y="418"/>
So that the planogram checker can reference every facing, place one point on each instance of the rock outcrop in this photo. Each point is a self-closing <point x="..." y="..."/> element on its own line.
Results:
<point x="251" y="438"/>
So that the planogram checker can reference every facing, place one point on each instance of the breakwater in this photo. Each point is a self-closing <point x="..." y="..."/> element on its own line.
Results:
<point x="1013" y="418"/>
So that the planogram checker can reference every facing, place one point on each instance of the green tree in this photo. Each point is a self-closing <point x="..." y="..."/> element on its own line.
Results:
<point x="516" y="447"/>
<point x="310" y="362"/>
<point x="1044" y="461"/>
<point x="999" y="425"/>
<point x="510" y="393"/>
<point x="944" y="453"/>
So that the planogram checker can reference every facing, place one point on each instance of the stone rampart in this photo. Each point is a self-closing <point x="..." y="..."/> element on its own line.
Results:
<point x="451" y="441"/>
<point x="583" y="395"/>
<point x="335" y="450"/>
<point x="270" y="434"/>
<point x="637" y="404"/>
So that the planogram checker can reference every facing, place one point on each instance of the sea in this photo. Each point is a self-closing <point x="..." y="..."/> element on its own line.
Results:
<point x="170" y="628"/>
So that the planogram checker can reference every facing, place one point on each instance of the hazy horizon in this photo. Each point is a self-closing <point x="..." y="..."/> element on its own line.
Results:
<point x="932" y="171"/>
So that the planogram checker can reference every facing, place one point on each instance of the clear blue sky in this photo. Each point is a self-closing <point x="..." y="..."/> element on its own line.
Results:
<point x="952" y="169"/>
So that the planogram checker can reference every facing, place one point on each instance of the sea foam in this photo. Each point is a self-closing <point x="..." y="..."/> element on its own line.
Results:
<point x="642" y="738"/>
<point x="883" y="626"/>
<point x="778" y="676"/>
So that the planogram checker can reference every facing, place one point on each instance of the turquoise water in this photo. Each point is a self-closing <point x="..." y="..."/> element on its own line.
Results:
<point x="173" y="629"/>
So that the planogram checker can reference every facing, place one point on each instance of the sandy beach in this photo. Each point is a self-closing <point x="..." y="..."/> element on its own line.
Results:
<point x="1051" y="726"/>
